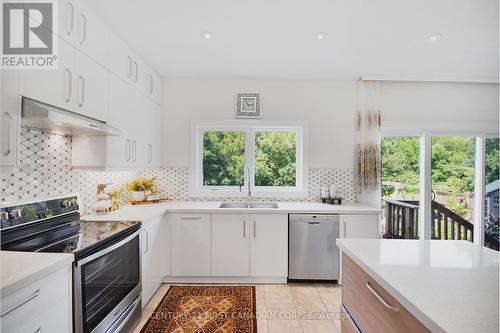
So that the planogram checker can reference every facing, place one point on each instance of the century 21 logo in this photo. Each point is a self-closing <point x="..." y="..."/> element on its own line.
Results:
<point x="27" y="28"/>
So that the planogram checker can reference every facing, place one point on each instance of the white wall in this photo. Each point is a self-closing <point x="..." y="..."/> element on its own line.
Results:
<point x="439" y="106"/>
<point x="328" y="106"/>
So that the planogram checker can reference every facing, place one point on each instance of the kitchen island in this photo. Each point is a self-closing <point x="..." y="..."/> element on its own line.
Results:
<point x="428" y="285"/>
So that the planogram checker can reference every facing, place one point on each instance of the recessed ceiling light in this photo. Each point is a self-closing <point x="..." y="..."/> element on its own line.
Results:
<point x="320" y="36"/>
<point x="435" y="37"/>
<point x="207" y="35"/>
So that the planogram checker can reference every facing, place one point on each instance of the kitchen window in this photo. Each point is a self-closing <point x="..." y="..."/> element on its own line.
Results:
<point x="230" y="159"/>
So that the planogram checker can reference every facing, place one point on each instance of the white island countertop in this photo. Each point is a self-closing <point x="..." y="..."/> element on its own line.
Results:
<point x="149" y="211"/>
<point x="450" y="286"/>
<point x="19" y="269"/>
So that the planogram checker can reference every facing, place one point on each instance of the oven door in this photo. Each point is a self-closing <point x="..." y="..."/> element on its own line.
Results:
<point x="106" y="283"/>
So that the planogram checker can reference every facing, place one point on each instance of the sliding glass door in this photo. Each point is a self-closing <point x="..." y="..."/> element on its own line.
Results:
<point x="400" y="186"/>
<point x="437" y="186"/>
<point x="491" y="193"/>
<point x="452" y="205"/>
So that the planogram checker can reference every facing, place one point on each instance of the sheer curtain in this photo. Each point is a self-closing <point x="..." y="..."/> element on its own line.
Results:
<point x="368" y="120"/>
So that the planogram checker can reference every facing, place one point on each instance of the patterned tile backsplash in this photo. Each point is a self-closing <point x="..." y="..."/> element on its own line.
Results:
<point x="44" y="169"/>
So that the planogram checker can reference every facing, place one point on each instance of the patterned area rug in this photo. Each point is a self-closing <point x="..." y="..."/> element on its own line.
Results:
<point x="204" y="309"/>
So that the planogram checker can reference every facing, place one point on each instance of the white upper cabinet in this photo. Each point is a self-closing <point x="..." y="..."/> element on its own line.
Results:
<point x="150" y="83"/>
<point x="91" y="88"/>
<point x="56" y="86"/>
<point x="78" y="84"/>
<point x="79" y="26"/>
<point x="92" y="37"/>
<point x="9" y="119"/>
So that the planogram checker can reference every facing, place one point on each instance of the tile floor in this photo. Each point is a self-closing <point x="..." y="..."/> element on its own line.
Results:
<point x="289" y="308"/>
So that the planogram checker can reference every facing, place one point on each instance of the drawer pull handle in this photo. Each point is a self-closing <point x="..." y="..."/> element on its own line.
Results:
<point x="191" y="218"/>
<point x="15" y="307"/>
<point x="380" y="299"/>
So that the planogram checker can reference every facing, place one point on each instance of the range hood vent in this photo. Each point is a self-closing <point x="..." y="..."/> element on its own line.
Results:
<point x="47" y="117"/>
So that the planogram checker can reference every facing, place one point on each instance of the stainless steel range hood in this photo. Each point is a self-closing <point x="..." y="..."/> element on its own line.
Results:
<point x="47" y="117"/>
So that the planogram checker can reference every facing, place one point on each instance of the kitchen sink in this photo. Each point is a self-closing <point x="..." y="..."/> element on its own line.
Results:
<point x="234" y="205"/>
<point x="248" y="205"/>
<point x="264" y="205"/>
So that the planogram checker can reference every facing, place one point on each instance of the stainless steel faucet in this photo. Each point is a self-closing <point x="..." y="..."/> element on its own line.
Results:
<point x="249" y="193"/>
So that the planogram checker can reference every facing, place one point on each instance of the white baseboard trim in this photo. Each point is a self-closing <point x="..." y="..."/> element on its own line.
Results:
<point x="223" y="279"/>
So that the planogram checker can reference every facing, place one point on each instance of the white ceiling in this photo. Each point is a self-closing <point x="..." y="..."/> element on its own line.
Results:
<point x="276" y="38"/>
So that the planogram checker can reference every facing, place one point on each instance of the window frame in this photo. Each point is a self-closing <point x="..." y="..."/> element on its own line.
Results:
<point x="197" y="188"/>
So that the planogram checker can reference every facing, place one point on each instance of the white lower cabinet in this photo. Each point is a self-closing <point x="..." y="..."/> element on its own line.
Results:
<point x="359" y="226"/>
<point x="253" y="245"/>
<point x="191" y="244"/>
<point x="230" y="245"/>
<point x="155" y="255"/>
<point x="269" y="245"/>
<point x="44" y="306"/>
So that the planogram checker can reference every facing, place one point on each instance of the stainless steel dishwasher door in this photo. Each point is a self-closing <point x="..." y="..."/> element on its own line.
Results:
<point x="312" y="253"/>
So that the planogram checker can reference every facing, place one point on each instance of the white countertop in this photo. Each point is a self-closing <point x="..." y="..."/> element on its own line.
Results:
<point x="19" y="269"/>
<point x="149" y="211"/>
<point x="450" y="286"/>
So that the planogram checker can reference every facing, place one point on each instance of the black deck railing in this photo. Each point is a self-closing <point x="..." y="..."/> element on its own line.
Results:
<point x="402" y="222"/>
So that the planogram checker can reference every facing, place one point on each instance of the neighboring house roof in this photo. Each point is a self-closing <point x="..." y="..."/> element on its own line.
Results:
<point x="493" y="186"/>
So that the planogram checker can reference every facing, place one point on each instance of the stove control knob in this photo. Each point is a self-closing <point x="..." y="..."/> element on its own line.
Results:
<point x="65" y="203"/>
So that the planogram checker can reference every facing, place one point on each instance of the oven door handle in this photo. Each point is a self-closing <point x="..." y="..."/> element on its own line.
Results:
<point x="107" y="249"/>
<point x="127" y="314"/>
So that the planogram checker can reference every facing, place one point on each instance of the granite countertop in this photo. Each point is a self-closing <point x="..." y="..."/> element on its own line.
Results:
<point x="150" y="211"/>
<point x="19" y="269"/>
<point x="450" y="286"/>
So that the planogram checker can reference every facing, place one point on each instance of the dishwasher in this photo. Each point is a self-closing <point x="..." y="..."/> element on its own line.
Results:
<point x="312" y="252"/>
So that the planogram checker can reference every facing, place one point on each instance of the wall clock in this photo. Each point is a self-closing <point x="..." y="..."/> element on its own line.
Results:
<point x="248" y="105"/>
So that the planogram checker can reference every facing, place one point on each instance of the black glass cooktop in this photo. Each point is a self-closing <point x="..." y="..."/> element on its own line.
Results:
<point x="55" y="226"/>
<point x="90" y="235"/>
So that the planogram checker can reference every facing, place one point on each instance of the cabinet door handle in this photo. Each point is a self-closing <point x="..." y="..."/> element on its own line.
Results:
<point x="129" y="74"/>
<point x="146" y="233"/>
<point x="380" y="299"/>
<point x="70" y="85"/>
<point x="38" y="330"/>
<point x="150" y="156"/>
<point x="9" y="126"/>
<point x="254" y="227"/>
<point x="190" y="217"/>
<point x="127" y="150"/>
<point x="151" y="83"/>
<point x="83" y="39"/>
<point x="82" y="90"/>
<point x="345" y="228"/>
<point x="71" y="21"/>
<point x="244" y="227"/>
<point x="134" y="150"/>
<point x="136" y="74"/>
<point x="17" y="306"/>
